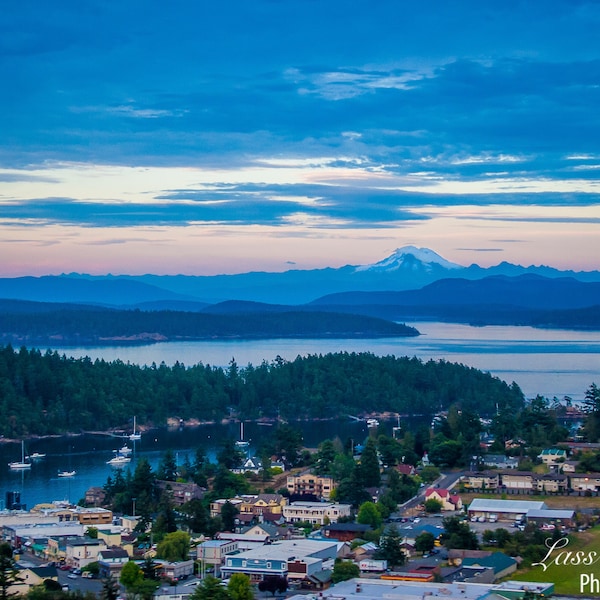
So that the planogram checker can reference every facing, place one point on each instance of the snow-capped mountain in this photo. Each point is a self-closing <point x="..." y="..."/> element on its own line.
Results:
<point x="411" y="258"/>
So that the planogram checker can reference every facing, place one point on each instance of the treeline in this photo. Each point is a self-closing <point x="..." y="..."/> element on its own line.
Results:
<point x="45" y="393"/>
<point x="87" y="325"/>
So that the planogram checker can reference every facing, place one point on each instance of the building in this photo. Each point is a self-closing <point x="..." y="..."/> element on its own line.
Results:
<point x="80" y="552"/>
<point x="448" y="500"/>
<point x="481" y="480"/>
<point x="379" y="589"/>
<point x="309" y="484"/>
<point x="500" y="461"/>
<point x="503" y="510"/>
<point x="111" y="562"/>
<point x="345" y="532"/>
<point x="585" y="482"/>
<point x="317" y="513"/>
<point x="211" y="554"/>
<point x="552" y="456"/>
<point x="294" y="559"/>
<point x="180" y="493"/>
<point x="501" y="564"/>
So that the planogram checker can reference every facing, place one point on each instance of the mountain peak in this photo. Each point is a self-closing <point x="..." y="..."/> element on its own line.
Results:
<point x="413" y="259"/>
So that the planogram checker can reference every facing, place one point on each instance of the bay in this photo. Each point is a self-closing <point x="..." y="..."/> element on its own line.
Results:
<point x="87" y="454"/>
<point x="547" y="362"/>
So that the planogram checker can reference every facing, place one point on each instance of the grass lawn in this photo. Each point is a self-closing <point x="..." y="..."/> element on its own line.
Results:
<point x="567" y="577"/>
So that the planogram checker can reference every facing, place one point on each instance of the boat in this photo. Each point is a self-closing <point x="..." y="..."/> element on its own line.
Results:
<point x="23" y="463"/>
<point x="125" y="450"/>
<point x="67" y="473"/>
<point x="372" y="423"/>
<point x="241" y="443"/>
<point x="136" y="435"/>
<point x="118" y="460"/>
<point x="36" y="455"/>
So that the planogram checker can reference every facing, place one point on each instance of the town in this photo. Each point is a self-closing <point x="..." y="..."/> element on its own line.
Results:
<point x="334" y="521"/>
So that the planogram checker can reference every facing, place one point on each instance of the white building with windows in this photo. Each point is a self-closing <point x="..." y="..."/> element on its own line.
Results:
<point x="318" y="513"/>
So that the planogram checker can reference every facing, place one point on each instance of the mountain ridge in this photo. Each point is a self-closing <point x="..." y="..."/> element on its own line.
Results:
<point x="407" y="268"/>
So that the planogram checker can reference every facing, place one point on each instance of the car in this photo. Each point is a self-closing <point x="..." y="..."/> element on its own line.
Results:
<point x="72" y="576"/>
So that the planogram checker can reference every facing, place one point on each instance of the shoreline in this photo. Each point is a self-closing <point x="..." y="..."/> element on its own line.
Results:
<point x="176" y="422"/>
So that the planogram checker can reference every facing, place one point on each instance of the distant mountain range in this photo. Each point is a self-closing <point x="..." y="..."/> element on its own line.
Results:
<point x="407" y="268"/>
<point x="353" y="301"/>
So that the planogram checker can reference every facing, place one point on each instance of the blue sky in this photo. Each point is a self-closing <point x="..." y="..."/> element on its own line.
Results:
<point x="202" y="137"/>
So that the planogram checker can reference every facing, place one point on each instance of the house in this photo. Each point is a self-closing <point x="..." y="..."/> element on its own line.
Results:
<point x="315" y="512"/>
<point x="405" y="469"/>
<point x="95" y="496"/>
<point x="345" y="532"/>
<point x="552" y="456"/>
<point x="111" y="561"/>
<point x="30" y="577"/>
<point x="180" y="493"/>
<point x="448" y="500"/>
<point x="499" y="461"/>
<point x="309" y="484"/>
<point x="252" y="464"/>
<point x="569" y="466"/>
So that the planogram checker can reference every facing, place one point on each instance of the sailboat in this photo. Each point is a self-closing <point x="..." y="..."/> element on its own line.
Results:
<point x="22" y="464"/>
<point x="241" y="443"/>
<point x="136" y="435"/>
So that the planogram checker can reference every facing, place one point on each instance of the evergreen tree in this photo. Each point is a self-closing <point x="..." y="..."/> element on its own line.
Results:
<point x="167" y="469"/>
<point x="9" y="573"/>
<point x="110" y="589"/>
<point x="325" y="458"/>
<point x="229" y="512"/>
<point x="369" y="465"/>
<point x="390" y="547"/>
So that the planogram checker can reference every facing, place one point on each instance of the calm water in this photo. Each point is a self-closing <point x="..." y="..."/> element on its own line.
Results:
<point x="548" y="362"/>
<point x="87" y="454"/>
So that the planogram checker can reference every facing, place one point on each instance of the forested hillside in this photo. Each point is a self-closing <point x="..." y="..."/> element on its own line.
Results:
<point x="44" y="393"/>
<point x="35" y="324"/>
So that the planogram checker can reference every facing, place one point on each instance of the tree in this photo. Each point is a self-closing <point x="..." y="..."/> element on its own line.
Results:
<point x="239" y="587"/>
<point x="167" y="469"/>
<point x="131" y="575"/>
<point x="344" y="570"/>
<point x="210" y="589"/>
<point x="369" y="463"/>
<point x="325" y="457"/>
<point x="368" y="514"/>
<point x="273" y="584"/>
<point x="390" y="547"/>
<point x="424" y="542"/>
<point x="174" y="546"/>
<point x="9" y="574"/>
<point x="433" y="505"/>
<point x="458" y="534"/>
<point x="196" y="516"/>
<point x="110" y="588"/>
<point x="228" y="514"/>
